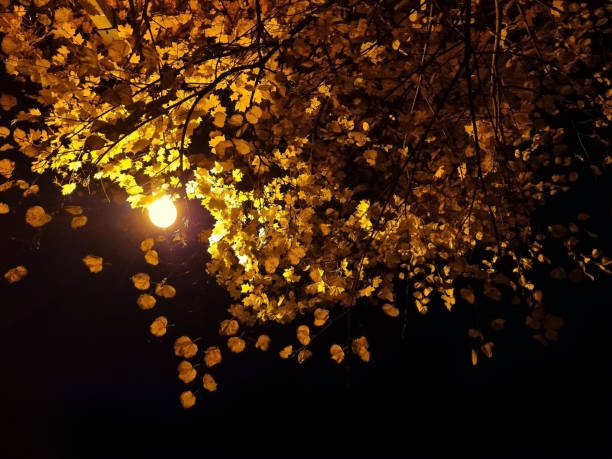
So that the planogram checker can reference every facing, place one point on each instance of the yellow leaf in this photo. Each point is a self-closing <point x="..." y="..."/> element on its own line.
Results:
<point x="320" y="317"/>
<point x="147" y="244"/>
<point x="4" y="208"/>
<point x="187" y="399"/>
<point x="78" y="222"/>
<point x="467" y="294"/>
<point x="271" y="263"/>
<point x="93" y="263"/>
<point x="396" y="45"/>
<point x="286" y="352"/>
<point x="185" y="347"/>
<point x="119" y="50"/>
<point x="165" y="291"/>
<point x="360" y="347"/>
<point x="212" y="356"/>
<point x="390" y="310"/>
<point x="474" y="357"/>
<point x="219" y="119"/>
<point x="236" y="120"/>
<point x="296" y="254"/>
<point x="158" y="326"/>
<point x="73" y="210"/>
<point x="236" y="344"/>
<point x="209" y="383"/>
<point x="7" y="101"/>
<point x="241" y="146"/>
<point x="141" y="281"/>
<point x="7" y="167"/>
<point x="186" y="372"/>
<point x="303" y="355"/>
<point x="253" y="114"/>
<point x="4" y="132"/>
<point x="414" y="17"/>
<point x="151" y="257"/>
<point x="370" y="157"/>
<point x="487" y="349"/>
<point x="37" y="217"/>
<point x="229" y="327"/>
<point x="336" y="353"/>
<point x="303" y="334"/>
<point x="146" y="301"/>
<point x="68" y="188"/>
<point x="9" y="45"/>
<point x="263" y="342"/>
<point x="15" y="274"/>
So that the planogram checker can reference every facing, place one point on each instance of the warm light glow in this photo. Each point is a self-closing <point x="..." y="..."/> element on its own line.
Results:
<point x="162" y="212"/>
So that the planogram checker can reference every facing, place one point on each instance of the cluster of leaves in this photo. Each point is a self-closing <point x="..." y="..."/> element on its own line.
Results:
<point x="341" y="146"/>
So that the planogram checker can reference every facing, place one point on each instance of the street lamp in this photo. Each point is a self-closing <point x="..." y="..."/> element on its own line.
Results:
<point x="162" y="212"/>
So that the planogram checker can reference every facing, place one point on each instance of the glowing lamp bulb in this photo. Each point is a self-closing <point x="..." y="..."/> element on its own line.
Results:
<point x="162" y="212"/>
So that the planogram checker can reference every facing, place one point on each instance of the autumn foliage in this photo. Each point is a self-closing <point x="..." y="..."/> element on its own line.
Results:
<point x="342" y="147"/>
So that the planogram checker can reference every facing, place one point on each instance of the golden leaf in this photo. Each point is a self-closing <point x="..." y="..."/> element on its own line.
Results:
<point x="141" y="281"/>
<point x="390" y="310"/>
<point x="164" y="290"/>
<point x="4" y="132"/>
<point x="37" y="217"/>
<point x="212" y="356"/>
<point x="187" y="399"/>
<point x="320" y="317"/>
<point x="185" y="347"/>
<point x="219" y="119"/>
<point x="253" y="114"/>
<point x="263" y="342"/>
<point x="228" y="327"/>
<point x="241" y="146"/>
<point x="360" y="347"/>
<point x="6" y="168"/>
<point x="286" y="352"/>
<point x="146" y="301"/>
<point x="4" y="208"/>
<point x="236" y="344"/>
<point x="93" y="263"/>
<point x="209" y="383"/>
<point x="336" y="352"/>
<point x="7" y="101"/>
<point x="468" y="295"/>
<point x="303" y="355"/>
<point x="474" y="357"/>
<point x="303" y="334"/>
<point x="487" y="349"/>
<point x="68" y="188"/>
<point x="271" y="263"/>
<point x="73" y="210"/>
<point x="186" y="372"/>
<point x="78" y="222"/>
<point x="16" y="274"/>
<point x="396" y="45"/>
<point x="158" y="326"/>
<point x="147" y="244"/>
<point x="151" y="257"/>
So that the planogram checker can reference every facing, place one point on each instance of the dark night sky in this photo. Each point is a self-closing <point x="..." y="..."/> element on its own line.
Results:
<point x="82" y="377"/>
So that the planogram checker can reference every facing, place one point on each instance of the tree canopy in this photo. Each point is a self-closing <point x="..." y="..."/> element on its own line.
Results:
<point x="343" y="147"/>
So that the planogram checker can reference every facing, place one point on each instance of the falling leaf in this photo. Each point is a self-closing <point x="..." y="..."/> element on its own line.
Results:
<point x="185" y="347"/>
<point x="147" y="244"/>
<point x="286" y="352"/>
<point x="474" y="357"/>
<point x="336" y="352"/>
<point x="37" y="217"/>
<point x="186" y="372"/>
<point x="158" y="326"/>
<point x="228" y="327"/>
<point x="498" y="324"/>
<point x="152" y="257"/>
<point x="4" y="208"/>
<point x="467" y="294"/>
<point x="141" y="281"/>
<point x="212" y="356"/>
<point x="263" y="342"/>
<point x="78" y="222"/>
<point x="360" y="347"/>
<point x="390" y="310"/>
<point x="303" y="334"/>
<point x="487" y="349"/>
<point x="320" y="317"/>
<point x="209" y="383"/>
<point x="16" y="274"/>
<point x="146" y="301"/>
<point x="93" y="263"/>
<point x="73" y="210"/>
<point x="187" y="399"/>
<point x="236" y="344"/>
<point x="6" y="168"/>
<point x="303" y="355"/>
<point x="7" y="102"/>
<point x="164" y="290"/>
